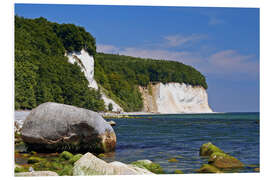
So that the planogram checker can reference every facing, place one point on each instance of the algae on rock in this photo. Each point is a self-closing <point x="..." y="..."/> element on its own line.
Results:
<point x="208" y="148"/>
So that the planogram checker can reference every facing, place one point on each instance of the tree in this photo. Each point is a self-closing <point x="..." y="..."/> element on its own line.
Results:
<point x="110" y="107"/>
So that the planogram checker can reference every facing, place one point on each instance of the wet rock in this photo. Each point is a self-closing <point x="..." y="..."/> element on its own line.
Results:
<point x="89" y="165"/>
<point x="101" y="155"/>
<point x="207" y="168"/>
<point x="224" y="161"/>
<point x="112" y="123"/>
<point x="37" y="173"/>
<point x="66" y="155"/>
<point x="257" y="169"/>
<point x="75" y="158"/>
<point x="19" y="168"/>
<point x="208" y="148"/>
<point x="58" y="127"/>
<point x="149" y="165"/>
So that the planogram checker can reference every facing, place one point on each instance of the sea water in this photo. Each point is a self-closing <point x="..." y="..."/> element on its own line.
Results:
<point x="162" y="137"/>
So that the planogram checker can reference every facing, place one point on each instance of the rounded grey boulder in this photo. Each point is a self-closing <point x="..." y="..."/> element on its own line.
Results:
<point x="59" y="127"/>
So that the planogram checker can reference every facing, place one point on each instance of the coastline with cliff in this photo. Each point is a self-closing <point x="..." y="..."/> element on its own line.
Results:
<point x="95" y="99"/>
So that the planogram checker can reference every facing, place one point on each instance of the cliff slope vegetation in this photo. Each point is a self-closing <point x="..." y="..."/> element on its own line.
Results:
<point x="42" y="71"/>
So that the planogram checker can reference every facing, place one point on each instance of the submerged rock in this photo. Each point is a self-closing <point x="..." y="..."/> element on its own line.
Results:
<point x="89" y="165"/>
<point x="178" y="171"/>
<point x="173" y="160"/>
<point x="208" y="148"/>
<point x="37" y="173"/>
<point x="224" y="161"/>
<point x="207" y="168"/>
<point x="59" y="127"/>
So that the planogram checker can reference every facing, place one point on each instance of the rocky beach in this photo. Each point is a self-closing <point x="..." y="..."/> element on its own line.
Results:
<point x="54" y="153"/>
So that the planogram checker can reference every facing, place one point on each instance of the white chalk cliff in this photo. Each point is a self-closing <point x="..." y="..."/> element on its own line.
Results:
<point x="173" y="98"/>
<point x="157" y="98"/>
<point x="86" y="63"/>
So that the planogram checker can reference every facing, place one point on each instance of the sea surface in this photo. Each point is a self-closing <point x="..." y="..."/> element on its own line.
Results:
<point x="162" y="137"/>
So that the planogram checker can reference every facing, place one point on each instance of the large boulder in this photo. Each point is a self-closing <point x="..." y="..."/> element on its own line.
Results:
<point x="59" y="127"/>
<point x="89" y="165"/>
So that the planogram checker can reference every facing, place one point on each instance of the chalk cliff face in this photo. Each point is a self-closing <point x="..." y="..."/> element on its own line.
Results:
<point x="86" y="63"/>
<point x="175" y="98"/>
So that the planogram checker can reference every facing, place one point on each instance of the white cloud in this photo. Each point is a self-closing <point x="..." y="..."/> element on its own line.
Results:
<point x="180" y="40"/>
<point x="214" y="20"/>
<point x="230" y="61"/>
<point x="107" y="48"/>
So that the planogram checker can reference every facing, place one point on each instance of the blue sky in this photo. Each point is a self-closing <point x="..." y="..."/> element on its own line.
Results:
<point x="222" y="43"/>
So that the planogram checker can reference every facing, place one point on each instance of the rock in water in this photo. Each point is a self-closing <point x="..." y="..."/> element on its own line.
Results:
<point x="224" y="161"/>
<point x="59" y="127"/>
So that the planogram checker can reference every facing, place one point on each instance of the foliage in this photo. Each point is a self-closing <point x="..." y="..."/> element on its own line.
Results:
<point x="110" y="107"/>
<point x="42" y="72"/>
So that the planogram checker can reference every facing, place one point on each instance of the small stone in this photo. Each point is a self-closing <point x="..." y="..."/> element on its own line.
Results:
<point x="101" y="155"/>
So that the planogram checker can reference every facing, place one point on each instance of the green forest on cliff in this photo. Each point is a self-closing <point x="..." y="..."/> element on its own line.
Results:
<point x="42" y="72"/>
